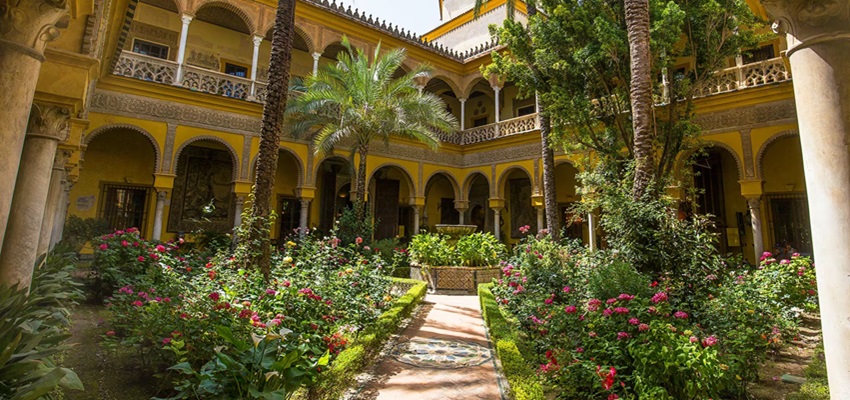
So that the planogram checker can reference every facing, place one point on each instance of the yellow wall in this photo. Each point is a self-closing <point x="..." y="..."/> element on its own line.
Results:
<point x="783" y="166"/>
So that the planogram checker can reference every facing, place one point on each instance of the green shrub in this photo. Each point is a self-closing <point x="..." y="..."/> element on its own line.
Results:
<point x="431" y="249"/>
<point x="817" y="385"/>
<point x="475" y="250"/>
<point x="523" y="381"/>
<point x="34" y="329"/>
<point x="78" y="231"/>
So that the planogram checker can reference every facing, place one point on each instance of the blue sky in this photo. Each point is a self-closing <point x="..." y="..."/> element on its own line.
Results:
<point x="420" y="16"/>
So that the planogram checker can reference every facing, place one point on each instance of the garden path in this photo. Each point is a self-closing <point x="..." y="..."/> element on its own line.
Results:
<point x="444" y="354"/>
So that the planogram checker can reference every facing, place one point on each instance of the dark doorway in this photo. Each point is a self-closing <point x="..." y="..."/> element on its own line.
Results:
<point x="288" y="216"/>
<point x="448" y="212"/>
<point x="708" y="180"/>
<point x="789" y="217"/>
<point x="386" y="208"/>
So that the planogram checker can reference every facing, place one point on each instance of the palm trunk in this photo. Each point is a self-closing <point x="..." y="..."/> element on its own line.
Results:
<point x="278" y="91"/>
<point x="550" y="201"/>
<point x="637" y="24"/>
<point x="360" y="203"/>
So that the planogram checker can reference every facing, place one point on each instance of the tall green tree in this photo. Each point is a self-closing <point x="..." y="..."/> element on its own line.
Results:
<point x="257" y="239"/>
<point x="581" y="49"/>
<point x="355" y="102"/>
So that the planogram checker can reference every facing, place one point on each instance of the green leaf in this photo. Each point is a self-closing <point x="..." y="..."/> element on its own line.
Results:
<point x="184" y="368"/>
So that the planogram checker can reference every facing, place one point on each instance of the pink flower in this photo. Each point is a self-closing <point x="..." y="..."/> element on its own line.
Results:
<point x="613" y="396"/>
<point x="550" y="300"/>
<point x="570" y="309"/>
<point x="567" y="289"/>
<point x="110" y="333"/>
<point x="593" y="304"/>
<point x="643" y="327"/>
<point x="580" y="350"/>
<point x="141" y="259"/>
<point x="524" y="229"/>
<point x="104" y="246"/>
<point x="359" y="240"/>
<point x="592" y="334"/>
<point x="623" y="335"/>
<point x="795" y="255"/>
<point x="621" y="310"/>
<point x="634" y="321"/>
<point x="693" y="339"/>
<point x="271" y="292"/>
<point x="160" y="248"/>
<point x="626" y="297"/>
<point x="138" y="303"/>
<point x="367" y="248"/>
<point x="709" y="341"/>
<point x="274" y="322"/>
<point x="607" y="312"/>
<point x="659" y="297"/>
<point x="785" y="262"/>
<point x="680" y="315"/>
<point x="124" y="243"/>
<point x="611" y="301"/>
<point x="166" y="341"/>
<point x="119" y="232"/>
<point x="214" y="296"/>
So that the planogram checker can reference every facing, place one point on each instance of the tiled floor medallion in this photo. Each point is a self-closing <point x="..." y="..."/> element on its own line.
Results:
<point x="440" y="353"/>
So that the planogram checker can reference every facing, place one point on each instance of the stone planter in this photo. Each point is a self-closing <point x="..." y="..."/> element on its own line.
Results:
<point x="455" y="278"/>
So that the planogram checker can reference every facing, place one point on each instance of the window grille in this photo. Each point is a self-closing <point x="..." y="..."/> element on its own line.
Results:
<point x="125" y="206"/>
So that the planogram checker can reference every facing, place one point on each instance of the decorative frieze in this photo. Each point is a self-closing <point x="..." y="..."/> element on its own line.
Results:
<point x="738" y="118"/>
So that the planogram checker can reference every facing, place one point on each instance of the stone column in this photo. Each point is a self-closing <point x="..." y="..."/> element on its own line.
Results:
<point x="818" y="34"/>
<point x="305" y="217"/>
<point x="591" y="231"/>
<point x="462" y="113"/>
<point x="754" y="205"/>
<point x="316" y="57"/>
<point x="240" y="206"/>
<point x="47" y="126"/>
<point x="541" y="218"/>
<point x="61" y="214"/>
<point x="181" y="51"/>
<point x="23" y="36"/>
<point x="416" y="211"/>
<point x="54" y="196"/>
<point x="496" y="90"/>
<point x="161" y="195"/>
<point x="461" y="206"/>
<point x="254" y="60"/>
<point x="497" y="226"/>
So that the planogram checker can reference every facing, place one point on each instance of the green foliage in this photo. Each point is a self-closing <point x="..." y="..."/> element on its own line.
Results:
<point x="575" y="55"/>
<point x="611" y="277"/>
<point x="521" y="377"/>
<point x="34" y="330"/>
<point x="78" y="231"/>
<point x="352" y="227"/>
<point x="817" y="385"/>
<point x="475" y="250"/>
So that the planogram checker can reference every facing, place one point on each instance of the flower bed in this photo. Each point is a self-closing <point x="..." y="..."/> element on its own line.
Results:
<point x="463" y="265"/>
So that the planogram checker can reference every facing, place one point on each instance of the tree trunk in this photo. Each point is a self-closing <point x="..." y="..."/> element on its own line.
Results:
<point x="360" y="203"/>
<point x="278" y="91"/>
<point x="637" y="24"/>
<point x="550" y="200"/>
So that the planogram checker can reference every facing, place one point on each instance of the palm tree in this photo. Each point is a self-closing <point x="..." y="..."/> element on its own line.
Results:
<point x="356" y="102"/>
<point x="637" y="26"/>
<point x="278" y="91"/>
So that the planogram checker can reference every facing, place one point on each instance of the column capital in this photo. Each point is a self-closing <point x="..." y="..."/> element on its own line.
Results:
<point x="161" y="194"/>
<point x="496" y="81"/>
<point x="496" y="203"/>
<point x="317" y="56"/>
<point x="186" y="18"/>
<point x="461" y="205"/>
<point x="258" y="40"/>
<point x="752" y="187"/>
<point x="808" y="22"/>
<point x="30" y="25"/>
<point x="462" y="100"/>
<point x="240" y="199"/>
<point x="49" y="122"/>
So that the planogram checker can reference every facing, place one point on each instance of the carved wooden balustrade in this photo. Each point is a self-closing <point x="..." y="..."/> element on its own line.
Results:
<point x="212" y="82"/>
<point x="146" y="68"/>
<point x="746" y="75"/>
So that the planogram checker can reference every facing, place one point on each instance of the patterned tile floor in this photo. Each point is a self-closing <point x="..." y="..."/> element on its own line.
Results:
<point x="442" y="355"/>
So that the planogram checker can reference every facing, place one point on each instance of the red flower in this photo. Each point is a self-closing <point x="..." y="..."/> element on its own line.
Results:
<point x="214" y="296"/>
<point x="613" y="396"/>
<point x="607" y="377"/>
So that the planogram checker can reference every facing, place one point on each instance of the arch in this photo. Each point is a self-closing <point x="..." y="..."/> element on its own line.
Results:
<point x="680" y="164"/>
<point x="763" y="149"/>
<point x="106" y="128"/>
<point x="336" y="47"/>
<point x="405" y="174"/>
<point x="447" y="175"/>
<point x="503" y="178"/>
<point x="447" y="81"/>
<point x="467" y="184"/>
<point x="246" y="18"/>
<point x="318" y="166"/>
<point x="176" y="6"/>
<point x="469" y="88"/>
<point x="298" y="163"/>
<point x="299" y="31"/>
<point x="210" y="138"/>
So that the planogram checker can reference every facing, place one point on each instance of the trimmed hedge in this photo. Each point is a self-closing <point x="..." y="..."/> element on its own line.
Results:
<point x="522" y="378"/>
<point x="351" y="361"/>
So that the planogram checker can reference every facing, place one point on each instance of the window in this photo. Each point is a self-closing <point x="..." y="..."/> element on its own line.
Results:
<point x="761" y="54"/>
<point x="289" y="216"/>
<point x="479" y="122"/>
<point x="527" y="110"/>
<point x="235" y="70"/>
<point x="789" y="220"/>
<point x="150" y="49"/>
<point x="124" y="206"/>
